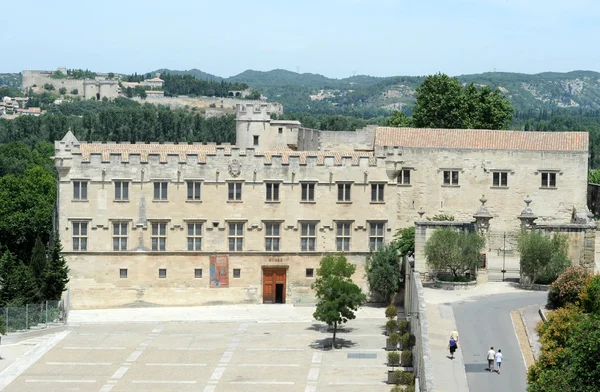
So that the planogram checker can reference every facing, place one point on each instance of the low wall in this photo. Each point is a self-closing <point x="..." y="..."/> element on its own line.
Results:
<point x="416" y="313"/>
<point x="454" y="285"/>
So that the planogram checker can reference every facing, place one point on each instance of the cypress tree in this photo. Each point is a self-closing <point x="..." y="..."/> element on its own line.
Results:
<point x="38" y="262"/>
<point x="57" y="274"/>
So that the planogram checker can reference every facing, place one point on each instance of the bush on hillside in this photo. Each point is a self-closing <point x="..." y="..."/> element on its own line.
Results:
<point x="590" y="296"/>
<point x="568" y="287"/>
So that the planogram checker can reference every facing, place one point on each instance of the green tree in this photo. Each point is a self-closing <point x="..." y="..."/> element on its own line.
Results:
<point x="440" y="103"/>
<point x="338" y="297"/>
<point x="594" y="176"/>
<point x="111" y="75"/>
<point x="590" y="296"/>
<point x="62" y="90"/>
<point x="48" y="86"/>
<point x="543" y="259"/>
<point x="56" y="275"/>
<point x="493" y="110"/>
<point x="74" y="91"/>
<point x="404" y="239"/>
<point x="453" y="251"/>
<point x="383" y="272"/>
<point x="17" y="284"/>
<point x="398" y="120"/>
<point x="38" y="262"/>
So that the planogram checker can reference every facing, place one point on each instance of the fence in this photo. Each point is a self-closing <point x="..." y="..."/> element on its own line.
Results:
<point x="414" y="308"/>
<point x="32" y="315"/>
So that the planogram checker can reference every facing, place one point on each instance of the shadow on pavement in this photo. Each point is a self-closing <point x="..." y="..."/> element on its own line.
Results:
<point x="476" y="367"/>
<point x="325" y="344"/>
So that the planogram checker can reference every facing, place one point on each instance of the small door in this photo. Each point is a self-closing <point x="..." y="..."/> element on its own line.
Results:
<point x="274" y="286"/>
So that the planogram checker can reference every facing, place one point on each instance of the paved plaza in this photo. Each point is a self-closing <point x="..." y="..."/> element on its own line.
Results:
<point x="209" y="356"/>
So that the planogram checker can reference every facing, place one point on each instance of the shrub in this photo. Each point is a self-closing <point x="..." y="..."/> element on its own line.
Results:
<point x="403" y="327"/>
<point x="406" y="378"/>
<point x="74" y="91"/>
<point x="543" y="259"/>
<point x="407" y="358"/>
<point x="454" y="252"/>
<point x="568" y="287"/>
<point x="393" y="358"/>
<point x="397" y="388"/>
<point x="409" y="388"/>
<point x="590" y="296"/>
<point x="407" y="340"/>
<point x="62" y="90"/>
<point x="391" y="312"/>
<point x="391" y="326"/>
<point x="394" y="339"/>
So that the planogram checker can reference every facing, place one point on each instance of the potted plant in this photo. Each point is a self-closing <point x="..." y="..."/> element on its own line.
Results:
<point x="391" y="312"/>
<point x="407" y="341"/>
<point x="392" y="342"/>
<point x="406" y="359"/>
<point x="391" y="326"/>
<point x="406" y="378"/>
<point x="394" y="358"/>
<point x="394" y="376"/>
<point x="403" y="327"/>
<point x="398" y="388"/>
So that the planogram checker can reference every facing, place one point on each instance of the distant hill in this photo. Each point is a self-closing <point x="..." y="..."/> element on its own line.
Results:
<point x="10" y="80"/>
<point x="314" y="92"/>
<point x="196" y="72"/>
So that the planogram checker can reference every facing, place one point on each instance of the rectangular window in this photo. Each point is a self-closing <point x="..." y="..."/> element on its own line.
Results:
<point x="121" y="190"/>
<point x="120" y="236"/>
<point x="272" y="191"/>
<point x="376" y="235"/>
<point x="162" y="273"/>
<point x="159" y="236"/>
<point x="308" y="191"/>
<point x="123" y="273"/>
<point x="237" y="273"/>
<point x="272" y="236"/>
<point x="450" y="177"/>
<point x="344" y="191"/>
<point x="194" y="236"/>
<point x="548" y="180"/>
<point x="255" y="140"/>
<point x="377" y="191"/>
<point x="80" y="232"/>
<point x="310" y="272"/>
<point x="193" y="190"/>
<point x="235" y="191"/>
<point x="500" y="179"/>
<point x="404" y="177"/>
<point x="80" y="190"/>
<point x="236" y="237"/>
<point x="198" y="273"/>
<point x="342" y="237"/>
<point x="308" y="237"/>
<point x="280" y="130"/>
<point x="160" y="190"/>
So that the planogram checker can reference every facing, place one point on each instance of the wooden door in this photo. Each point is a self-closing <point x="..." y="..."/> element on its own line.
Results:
<point x="272" y="277"/>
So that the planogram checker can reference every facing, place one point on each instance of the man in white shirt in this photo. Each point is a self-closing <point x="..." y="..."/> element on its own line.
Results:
<point x="499" y="360"/>
<point x="491" y="355"/>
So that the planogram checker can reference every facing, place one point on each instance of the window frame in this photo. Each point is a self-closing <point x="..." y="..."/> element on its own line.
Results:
<point x="237" y="236"/>
<point x="80" y="190"/>
<point x="234" y="191"/>
<point x="274" y="238"/>
<point x="195" y="237"/>
<point x="451" y="177"/>
<point x="499" y="174"/>
<point x="344" y="237"/>
<point x="550" y="175"/>
<point x="255" y="140"/>
<point x="404" y="174"/>
<point x="307" y="191"/>
<point x="378" y="190"/>
<point x="122" y="189"/>
<point x="121" y="270"/>
<point x="81" y="238"/>
<point x="120" y="237"/>
<point x="158" y="236"/>
<point x="378" y="239"/>
<point x="312" y="273"/>
<point x="236" y="273"/>
<point x="160" y="272"/>
<point x="196" y="190"/>
<point x="272" y="191"/>
<point x="344" y="192"/>
<point x="196" y="274"/>
<point x="306" y="246"/>
<point x="163" y="191"/>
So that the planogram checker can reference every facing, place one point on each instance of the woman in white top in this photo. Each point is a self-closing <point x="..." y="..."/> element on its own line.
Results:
<point x="499" y="360"/>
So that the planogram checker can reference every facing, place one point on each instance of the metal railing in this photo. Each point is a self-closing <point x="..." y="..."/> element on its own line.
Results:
<point x="22" y="318"/>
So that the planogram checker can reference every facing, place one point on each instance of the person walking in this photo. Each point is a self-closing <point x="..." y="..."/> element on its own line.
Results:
<point x="499" y="360"/>
<point x="452" y="346"/>
<point x="454" y="335"/>
<point x="491" y="355"/>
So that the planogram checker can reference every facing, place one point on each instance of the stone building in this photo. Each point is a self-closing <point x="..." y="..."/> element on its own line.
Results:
<point x="99" y="87"/>
<point x="180" y="224"/>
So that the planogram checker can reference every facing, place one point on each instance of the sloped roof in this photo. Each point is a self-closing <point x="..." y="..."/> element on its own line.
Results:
<point x="481" y="139"/>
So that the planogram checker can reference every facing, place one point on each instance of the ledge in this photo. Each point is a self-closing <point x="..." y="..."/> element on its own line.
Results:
<point x="454" y="285"/>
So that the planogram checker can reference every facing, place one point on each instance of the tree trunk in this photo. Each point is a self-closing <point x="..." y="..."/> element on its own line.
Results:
<point x="334" y="332"/>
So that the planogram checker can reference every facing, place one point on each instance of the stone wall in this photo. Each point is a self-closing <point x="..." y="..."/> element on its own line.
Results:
<point x="85" y="87"/>
<point x="335" y="141"/>
<point x="581" y="239"/>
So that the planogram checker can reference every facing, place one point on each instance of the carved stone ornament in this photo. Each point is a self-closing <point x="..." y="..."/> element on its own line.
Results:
<point x="235" y="168"/>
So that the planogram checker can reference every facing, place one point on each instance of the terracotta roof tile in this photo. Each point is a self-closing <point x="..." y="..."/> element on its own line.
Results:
<point x="481" y="139"/>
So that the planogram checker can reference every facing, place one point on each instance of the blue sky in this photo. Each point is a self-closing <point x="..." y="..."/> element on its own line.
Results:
<point x="332" y="37"/>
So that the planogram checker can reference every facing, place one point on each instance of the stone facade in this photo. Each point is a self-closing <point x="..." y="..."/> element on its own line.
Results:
<point x="239" y="201"/>
<point x="87" y="88"/>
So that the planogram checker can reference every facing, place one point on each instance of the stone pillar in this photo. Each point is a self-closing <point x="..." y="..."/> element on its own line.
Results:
<point x="420" y="264"/>
<point x="482" y="225"/>
<point x="527" y="218"/>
